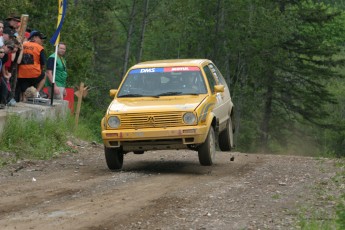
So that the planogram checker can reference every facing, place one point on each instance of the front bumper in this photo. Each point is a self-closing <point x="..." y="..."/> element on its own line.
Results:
<point x="155" y="138"/>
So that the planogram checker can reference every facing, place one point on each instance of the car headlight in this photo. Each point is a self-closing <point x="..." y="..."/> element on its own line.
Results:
<point x="189" y="118"/>
<point x="114" y="122"/>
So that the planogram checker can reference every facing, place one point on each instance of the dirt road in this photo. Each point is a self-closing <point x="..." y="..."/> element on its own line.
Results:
<point x="164" y="190"/>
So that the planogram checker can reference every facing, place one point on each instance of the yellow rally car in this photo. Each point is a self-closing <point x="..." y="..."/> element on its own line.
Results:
<point x="169" y="104"/>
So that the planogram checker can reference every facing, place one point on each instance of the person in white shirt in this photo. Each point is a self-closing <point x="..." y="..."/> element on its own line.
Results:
<point x="1" y="35"/>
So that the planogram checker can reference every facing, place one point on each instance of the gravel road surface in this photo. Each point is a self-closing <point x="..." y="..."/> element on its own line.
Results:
<point x="166" y="190"/>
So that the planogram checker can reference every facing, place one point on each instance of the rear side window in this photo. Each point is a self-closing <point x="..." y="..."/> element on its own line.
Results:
<point x="217" y="74"/>
<point x="211" y="81"/>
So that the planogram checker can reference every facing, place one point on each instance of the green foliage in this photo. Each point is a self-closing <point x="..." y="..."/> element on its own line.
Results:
<point x="34" y="139"/>
<point x="91" y="119"/>
<point x="29" y="138"/>
<point x="333" y="140"/>
<point x="341" y="213"/>
<point x="313" y="224"/>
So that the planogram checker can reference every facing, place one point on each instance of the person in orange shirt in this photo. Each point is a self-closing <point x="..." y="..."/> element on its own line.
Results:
<point x="31" y="62"/>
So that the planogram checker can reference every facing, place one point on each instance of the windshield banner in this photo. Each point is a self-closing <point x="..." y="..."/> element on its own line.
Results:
<point x="168" y="69"/>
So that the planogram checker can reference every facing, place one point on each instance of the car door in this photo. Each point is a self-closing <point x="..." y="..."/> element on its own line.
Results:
<point x="212" y="81"/>
<point x="223" y="98"/>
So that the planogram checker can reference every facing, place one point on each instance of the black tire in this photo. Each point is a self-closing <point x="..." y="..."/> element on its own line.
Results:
<point x="114" y="158"/>
<point x="226" y="137"/>
<point x="207" y="150"/>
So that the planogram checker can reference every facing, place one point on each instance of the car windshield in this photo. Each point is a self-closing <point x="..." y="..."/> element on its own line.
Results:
<point x="159" y="82"/>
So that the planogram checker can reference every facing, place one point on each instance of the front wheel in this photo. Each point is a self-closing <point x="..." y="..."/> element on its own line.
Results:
<point x="113" y="157"/>
<point x="207" y="150"/>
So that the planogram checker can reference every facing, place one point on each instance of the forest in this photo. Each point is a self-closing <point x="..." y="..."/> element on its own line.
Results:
<point x="283" y="59"/>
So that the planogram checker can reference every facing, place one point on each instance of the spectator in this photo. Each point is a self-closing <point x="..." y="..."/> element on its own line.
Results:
<point x="8" y="48"/>
<point x="14" y="22"/>
<point x="7" y="34"/>
<point x="31" y="62"/>
<point x="60" y="72"/>
<point x="10" y="67"/>
<point x="26" y="36"/>
<point x="5" y="87"/>
<point x="2" y="94"/>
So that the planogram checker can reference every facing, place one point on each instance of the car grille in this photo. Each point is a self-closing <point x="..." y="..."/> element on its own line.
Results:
<point x="151" y="120"/>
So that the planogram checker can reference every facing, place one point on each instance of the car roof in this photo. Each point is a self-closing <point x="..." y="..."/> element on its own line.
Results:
<point x="171" y="62"/>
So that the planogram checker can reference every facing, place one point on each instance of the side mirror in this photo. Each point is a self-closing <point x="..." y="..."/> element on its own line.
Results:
<point x="112" y="93"/>
<point x="219" y="88"/>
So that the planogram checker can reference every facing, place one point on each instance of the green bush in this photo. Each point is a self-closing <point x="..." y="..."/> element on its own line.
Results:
<point x="34" y="139"/>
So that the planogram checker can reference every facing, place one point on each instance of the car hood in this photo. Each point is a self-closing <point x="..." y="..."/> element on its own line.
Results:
<point x="148" y="104"/>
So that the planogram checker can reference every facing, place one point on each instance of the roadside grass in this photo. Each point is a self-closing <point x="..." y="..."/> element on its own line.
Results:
<point x="340" y="180"/>
<point x="32" y="139"/>
<point x="276" y="196"/>
<point x="316" y="218"/>
<point x="341" y="212"/>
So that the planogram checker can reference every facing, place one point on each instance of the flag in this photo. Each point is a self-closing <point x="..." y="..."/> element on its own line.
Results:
<point x="62" y="13"/>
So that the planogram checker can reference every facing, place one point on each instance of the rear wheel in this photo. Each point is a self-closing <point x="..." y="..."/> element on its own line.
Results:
<point x="207" y="150"/>
<point x="226" y="137"/>
<point x="114" y="158"/>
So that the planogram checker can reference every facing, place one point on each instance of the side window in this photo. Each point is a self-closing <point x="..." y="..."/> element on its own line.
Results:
<point x="211" y="81"/>
<point x="221" y="80"/>
<point x="220" y="77"/>
<point x="217" y="74"/>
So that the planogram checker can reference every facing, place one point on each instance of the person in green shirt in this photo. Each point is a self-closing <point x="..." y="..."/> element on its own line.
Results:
<point x="60" y="74"/>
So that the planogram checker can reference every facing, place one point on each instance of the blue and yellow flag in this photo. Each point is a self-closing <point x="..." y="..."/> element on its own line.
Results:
<point x="62" y="13"/>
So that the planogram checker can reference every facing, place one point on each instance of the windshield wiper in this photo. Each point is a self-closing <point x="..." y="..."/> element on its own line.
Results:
<point x="131" y="95"/>
<point x="169" y="94"/>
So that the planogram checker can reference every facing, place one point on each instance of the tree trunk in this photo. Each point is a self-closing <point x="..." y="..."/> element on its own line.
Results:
<point x="143" y="26"/>
<point x="129" y="38"/>
<point x="264" y="134"/>
<point x="216" y="32"/>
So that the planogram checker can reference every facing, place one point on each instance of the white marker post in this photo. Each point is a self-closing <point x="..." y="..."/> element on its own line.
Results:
<point x="54" y="71"/>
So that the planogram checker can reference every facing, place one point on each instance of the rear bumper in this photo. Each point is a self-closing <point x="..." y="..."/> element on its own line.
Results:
<point x="155" y="138"/>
